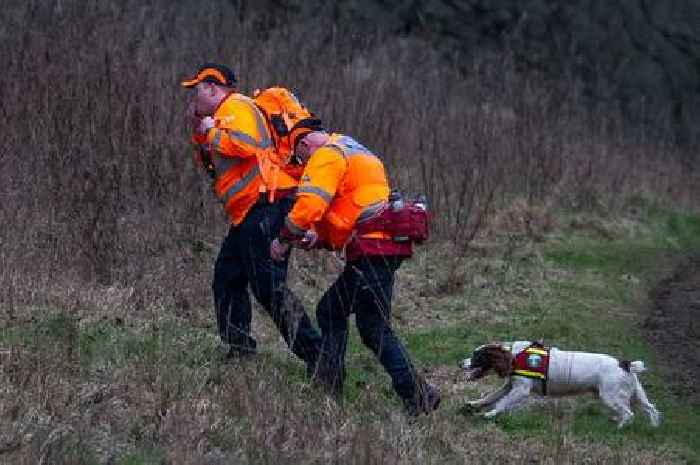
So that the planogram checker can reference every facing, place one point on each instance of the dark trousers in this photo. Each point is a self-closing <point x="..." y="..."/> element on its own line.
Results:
<point x="244" y="260"/>
<point x="365" y="287"/>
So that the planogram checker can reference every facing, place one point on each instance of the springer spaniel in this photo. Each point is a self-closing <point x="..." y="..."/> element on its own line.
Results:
<point x="529" y="366"/>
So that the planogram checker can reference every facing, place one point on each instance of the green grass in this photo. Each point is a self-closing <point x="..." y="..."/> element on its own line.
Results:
<point x="576" y="291"/>
<point x="108" y="345"/>
<point x="635" y="250"/>
<point x="598" y="307"/>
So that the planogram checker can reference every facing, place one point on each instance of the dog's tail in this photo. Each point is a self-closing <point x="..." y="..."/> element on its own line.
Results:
<point x="637" y="367"/>
<point x="632" y="367"/>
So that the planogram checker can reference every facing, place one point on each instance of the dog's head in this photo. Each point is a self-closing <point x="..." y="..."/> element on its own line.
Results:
<point x="496" y="357"/>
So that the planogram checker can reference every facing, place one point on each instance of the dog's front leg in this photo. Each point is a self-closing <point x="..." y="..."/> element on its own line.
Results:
<point x="514" y="399"/>
<point x="491" y="397"/>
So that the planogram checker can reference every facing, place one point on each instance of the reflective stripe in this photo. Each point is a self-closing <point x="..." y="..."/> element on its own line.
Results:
<point x="216" y="143"/>
<point x="536" y="351"/>
<point x="293" y="228"/>
<point x="325" y="195"/>
<point x="349" y="147"/>
<point x="243" y="137"/>
<point x="371" y="211"/>
<point x="265" y="140"/>
<point x="241" y="184"/>
<point x="223" y="164"/>
<point x="529" y="374"/>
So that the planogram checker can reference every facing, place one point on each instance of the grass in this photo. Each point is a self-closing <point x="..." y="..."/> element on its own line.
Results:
<point x="147" y="456"/>
<point x="574" y="290"/>
<point x="599" y="307"/>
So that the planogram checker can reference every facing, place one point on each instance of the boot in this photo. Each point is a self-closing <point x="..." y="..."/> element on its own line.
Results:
<point x="241" y="350"/>
<point x="425" y="400"/>
<point x="311" y="367"/>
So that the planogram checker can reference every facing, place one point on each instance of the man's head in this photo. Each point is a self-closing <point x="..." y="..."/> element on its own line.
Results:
<point x="309" y="143"/>
<point x="307" y="136"/>
<point x="212" y="83"/>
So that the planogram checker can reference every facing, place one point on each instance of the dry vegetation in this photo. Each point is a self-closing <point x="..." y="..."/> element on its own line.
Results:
<point x="105" y="220"/>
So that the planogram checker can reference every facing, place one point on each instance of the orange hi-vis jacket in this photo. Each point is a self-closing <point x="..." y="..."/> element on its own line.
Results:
<point x="241" y="151"/>
<point x="343" y="183"/>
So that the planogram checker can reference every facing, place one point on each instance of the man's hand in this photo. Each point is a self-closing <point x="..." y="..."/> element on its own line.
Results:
<point x="192" y="119"/>
<point x="309" y="240"/>
<point x="205" y="124"/>
<point x="278" y="250"/>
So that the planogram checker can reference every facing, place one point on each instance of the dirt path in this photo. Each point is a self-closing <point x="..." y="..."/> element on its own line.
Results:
<point x="673" y="326"/>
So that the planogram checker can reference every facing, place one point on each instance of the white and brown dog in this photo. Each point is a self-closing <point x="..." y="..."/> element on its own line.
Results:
<point x="530" y="367"/>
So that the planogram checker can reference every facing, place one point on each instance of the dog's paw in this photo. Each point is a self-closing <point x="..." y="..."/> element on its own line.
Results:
<point x="468" y="409"/>
<point x="490" y="414"/>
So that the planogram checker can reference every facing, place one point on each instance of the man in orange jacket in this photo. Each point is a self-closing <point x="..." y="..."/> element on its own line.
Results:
<point x="343" y="186"/>
<point x="232" y="139"/>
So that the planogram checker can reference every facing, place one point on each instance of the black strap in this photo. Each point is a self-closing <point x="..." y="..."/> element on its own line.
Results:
<point x="206" y="161"/>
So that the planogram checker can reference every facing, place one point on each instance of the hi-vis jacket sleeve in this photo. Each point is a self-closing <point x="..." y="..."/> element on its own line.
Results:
<point x="240" y="130"/>
<point x="319" y="183"/>
<point x="199" y="142"/>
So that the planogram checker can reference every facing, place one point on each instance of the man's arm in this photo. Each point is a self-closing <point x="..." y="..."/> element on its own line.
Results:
<point x="238" y="129"/>
<point x="318" y="187"/>
<point x="201" y="155"/>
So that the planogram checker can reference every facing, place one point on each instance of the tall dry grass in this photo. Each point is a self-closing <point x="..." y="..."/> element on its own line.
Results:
<point x="98" y="185"/>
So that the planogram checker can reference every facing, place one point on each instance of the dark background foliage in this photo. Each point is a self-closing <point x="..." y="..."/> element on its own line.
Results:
<point x="474" y="103"/>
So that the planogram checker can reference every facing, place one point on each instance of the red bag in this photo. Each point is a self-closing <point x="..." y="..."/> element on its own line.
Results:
<point x="359" y="247"/>
<point x="406" y="224"/>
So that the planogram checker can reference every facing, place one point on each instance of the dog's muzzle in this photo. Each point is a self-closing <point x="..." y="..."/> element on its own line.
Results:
<point x="472" y="372"/>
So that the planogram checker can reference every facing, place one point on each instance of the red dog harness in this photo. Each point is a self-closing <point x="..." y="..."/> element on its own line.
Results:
<point x="533" y="362"/>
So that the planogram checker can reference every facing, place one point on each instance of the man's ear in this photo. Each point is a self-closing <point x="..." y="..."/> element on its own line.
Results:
<point x="302" y="150"/>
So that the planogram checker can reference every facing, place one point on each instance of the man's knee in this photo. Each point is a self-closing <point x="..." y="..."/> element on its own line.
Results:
<point x="372" y="333"/>
<point x="331" y="321"/>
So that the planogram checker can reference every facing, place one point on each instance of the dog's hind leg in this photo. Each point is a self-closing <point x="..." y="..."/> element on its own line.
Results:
<point x="617" y="402"/>
<point x="649" y="409"/>
<point x="491" y="397"/>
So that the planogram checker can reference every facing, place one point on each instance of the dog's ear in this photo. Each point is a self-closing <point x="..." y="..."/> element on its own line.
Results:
<point x="501" y="361"/>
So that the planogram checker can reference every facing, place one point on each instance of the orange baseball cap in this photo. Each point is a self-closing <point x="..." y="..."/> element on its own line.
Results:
<point x="213" y="72"/>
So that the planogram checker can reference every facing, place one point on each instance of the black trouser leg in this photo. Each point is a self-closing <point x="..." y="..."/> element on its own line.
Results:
<point x="365" y="287"/>
<point x="268" y="280"/>
<point x="373" y="279"/>
<point x="231" y="300"/>
<point x="332" y="315"/>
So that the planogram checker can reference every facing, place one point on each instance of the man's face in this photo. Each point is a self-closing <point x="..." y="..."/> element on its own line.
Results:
<point x="205" y="99"/>
<point x="309" y="144"/>
<point x="303" y="151"/>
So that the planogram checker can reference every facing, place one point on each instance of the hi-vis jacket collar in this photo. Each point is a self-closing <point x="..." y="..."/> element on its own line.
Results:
<point x="533" y="362"/>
